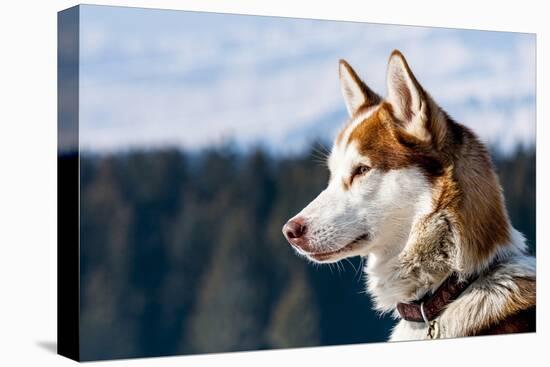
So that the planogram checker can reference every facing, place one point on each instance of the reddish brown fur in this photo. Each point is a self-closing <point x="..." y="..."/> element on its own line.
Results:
<point x="460" y="170"/>
<point x="518" y="315"/>
<point x="390" y="147"/>
<point x="345" y="185"/>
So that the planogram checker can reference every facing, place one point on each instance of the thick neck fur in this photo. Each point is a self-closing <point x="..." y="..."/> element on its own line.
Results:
<point x="390" y="280"/>
<point x="465" y="230"/>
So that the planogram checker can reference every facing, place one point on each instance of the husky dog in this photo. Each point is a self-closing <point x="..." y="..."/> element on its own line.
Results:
<point x="416" y="193"/>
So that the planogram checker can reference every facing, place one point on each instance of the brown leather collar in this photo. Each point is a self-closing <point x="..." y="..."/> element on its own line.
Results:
<point x="432" y="305"/>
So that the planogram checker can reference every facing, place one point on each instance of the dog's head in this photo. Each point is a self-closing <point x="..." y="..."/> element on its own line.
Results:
<point x="381" y="165"/>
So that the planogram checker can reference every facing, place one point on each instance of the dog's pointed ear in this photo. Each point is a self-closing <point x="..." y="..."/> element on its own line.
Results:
<point x="356" y="93"/>
<point x="411" y="104"/>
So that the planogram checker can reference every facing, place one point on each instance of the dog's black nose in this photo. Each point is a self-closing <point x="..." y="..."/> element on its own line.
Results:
<point x="294" y="229"/>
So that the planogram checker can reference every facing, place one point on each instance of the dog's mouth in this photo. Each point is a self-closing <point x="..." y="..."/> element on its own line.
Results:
<point x="331" y="255"/>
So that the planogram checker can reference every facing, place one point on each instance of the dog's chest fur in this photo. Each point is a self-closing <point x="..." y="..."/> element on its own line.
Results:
<point x="430" y="253"/>
<point x="496" y="296"/>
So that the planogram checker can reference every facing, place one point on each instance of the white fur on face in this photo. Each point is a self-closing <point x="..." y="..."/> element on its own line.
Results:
<point x="375" y="213"/>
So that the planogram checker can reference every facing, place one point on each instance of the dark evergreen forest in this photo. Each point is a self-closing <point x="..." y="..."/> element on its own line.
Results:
<point x="183" y="253"/>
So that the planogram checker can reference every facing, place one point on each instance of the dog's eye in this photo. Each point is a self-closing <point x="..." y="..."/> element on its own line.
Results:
<point x="359" y="171"/>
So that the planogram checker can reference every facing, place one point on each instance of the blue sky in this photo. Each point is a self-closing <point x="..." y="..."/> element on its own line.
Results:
<point x="151" y="78"/>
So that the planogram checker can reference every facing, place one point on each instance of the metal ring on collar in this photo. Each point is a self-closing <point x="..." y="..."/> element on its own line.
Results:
<point x="424" y="314"/>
